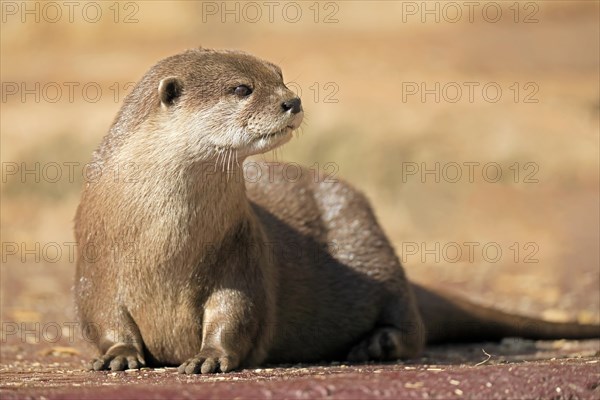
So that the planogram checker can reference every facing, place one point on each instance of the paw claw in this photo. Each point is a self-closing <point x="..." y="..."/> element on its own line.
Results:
<point x="206" y="365"/>
<point x="181" y="368"/>
<point x="133" y="363"/>
<point x="122" y="360"/>
<point x="99" y="363"/>
<point x="117" y="364"/>
<point x="210" y="365"/>
<point x="193" y="367"/>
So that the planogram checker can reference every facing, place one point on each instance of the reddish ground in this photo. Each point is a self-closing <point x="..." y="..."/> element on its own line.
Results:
<point x="514" y="369"/>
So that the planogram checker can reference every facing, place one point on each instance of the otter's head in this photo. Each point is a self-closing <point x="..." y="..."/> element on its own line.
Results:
<point x="204" y="102"/>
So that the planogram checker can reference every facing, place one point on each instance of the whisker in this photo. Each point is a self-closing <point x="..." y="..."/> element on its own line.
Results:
<point x="227" y="153"/>
<point x="223" y="160"/>
<point x="217" y="153"/>
<point x="225" y="165"/>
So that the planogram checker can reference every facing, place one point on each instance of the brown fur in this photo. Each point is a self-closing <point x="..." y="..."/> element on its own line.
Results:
<point x="184" y="261"/>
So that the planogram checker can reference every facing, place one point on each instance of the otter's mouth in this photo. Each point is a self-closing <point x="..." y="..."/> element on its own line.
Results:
<point x="288" y="129"/>
<point x="269" y="141"/>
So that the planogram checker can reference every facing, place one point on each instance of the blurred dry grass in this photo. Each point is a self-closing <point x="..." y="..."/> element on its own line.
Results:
<point x="369" y="133"/>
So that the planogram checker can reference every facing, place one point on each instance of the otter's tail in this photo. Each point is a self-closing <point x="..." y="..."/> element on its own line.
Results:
<point x="451" y="319"/>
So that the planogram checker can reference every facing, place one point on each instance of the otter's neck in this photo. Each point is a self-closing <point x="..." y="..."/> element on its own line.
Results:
<point x="169" y="205"/>
<point x="217" y="200"/>
<point x="210" y="202"/>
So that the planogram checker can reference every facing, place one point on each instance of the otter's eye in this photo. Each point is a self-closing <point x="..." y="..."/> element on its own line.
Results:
<point x="242" y="91"/>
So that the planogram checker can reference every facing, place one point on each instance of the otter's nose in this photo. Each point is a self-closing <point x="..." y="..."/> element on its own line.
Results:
<point x="293" y="105"/>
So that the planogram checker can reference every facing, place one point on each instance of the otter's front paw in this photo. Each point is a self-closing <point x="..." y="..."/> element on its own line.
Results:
<point x="118" y="359"/>
<point x="209" y="362"/>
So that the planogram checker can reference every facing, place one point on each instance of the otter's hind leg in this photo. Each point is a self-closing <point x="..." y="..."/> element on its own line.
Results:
<point x="398" y="334"/>
<point x="362" y="245"/>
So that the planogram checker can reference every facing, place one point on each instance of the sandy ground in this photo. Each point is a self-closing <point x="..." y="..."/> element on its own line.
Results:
<point x="355" y="68"/>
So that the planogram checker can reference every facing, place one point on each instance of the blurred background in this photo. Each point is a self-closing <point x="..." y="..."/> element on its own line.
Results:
<point x="472" y="127"/>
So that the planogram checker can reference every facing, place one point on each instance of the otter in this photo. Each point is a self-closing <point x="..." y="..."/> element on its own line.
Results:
<point x="185" y="258"/>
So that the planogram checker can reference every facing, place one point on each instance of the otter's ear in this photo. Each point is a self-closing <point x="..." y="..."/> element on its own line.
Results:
<point x="169" y="90"/>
